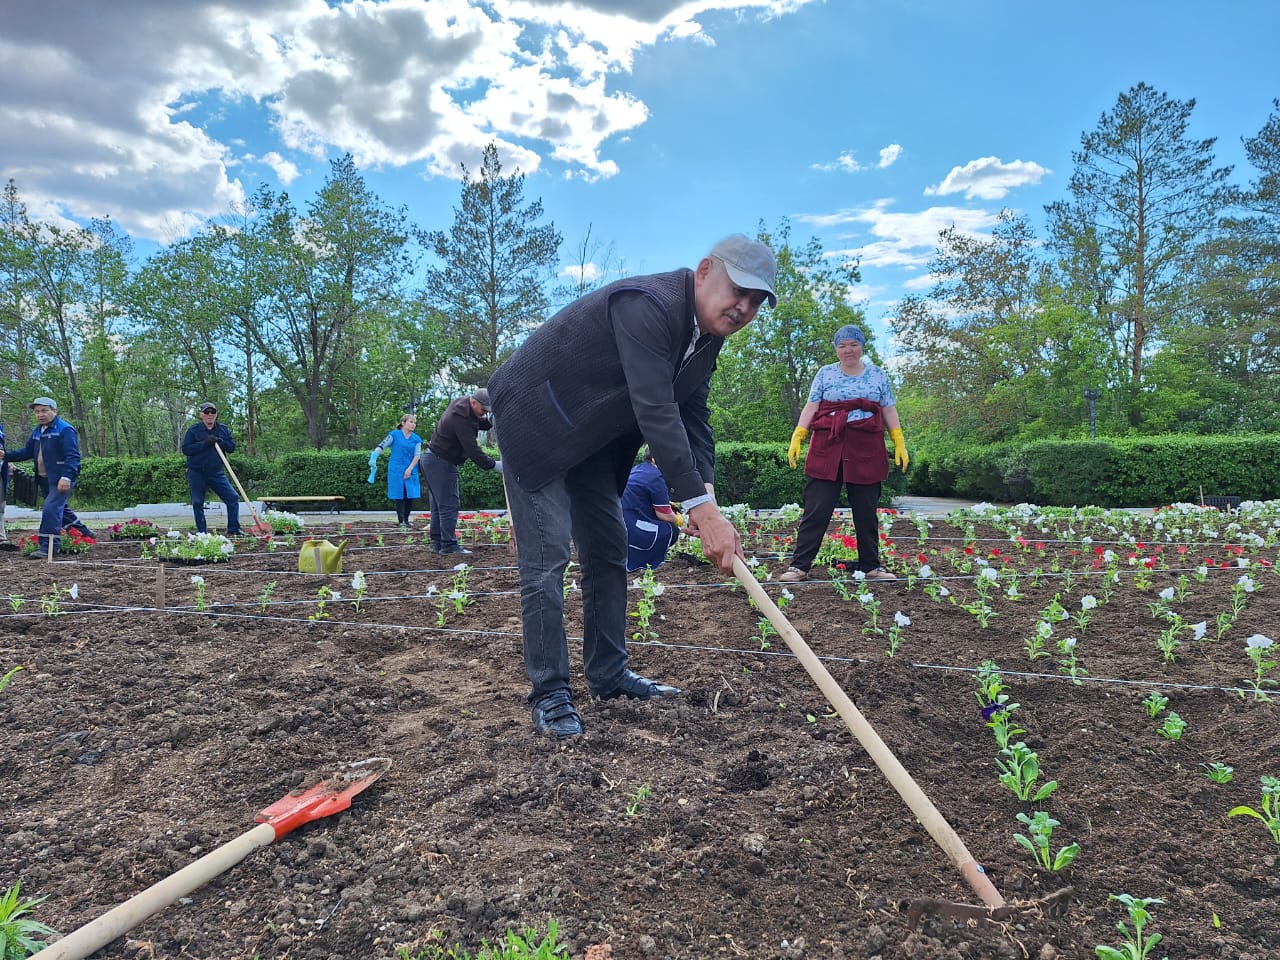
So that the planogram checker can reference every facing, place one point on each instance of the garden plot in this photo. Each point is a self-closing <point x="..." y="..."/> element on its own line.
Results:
<point x="740" y="820"/>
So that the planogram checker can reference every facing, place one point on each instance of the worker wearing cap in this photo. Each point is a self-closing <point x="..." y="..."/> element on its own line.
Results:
<point x="54" y="445"/>
<point x="627" y="363"/>
<point x="4" y="485"/>
<point x="451" y="445"/>
<point x="205" y="469"/>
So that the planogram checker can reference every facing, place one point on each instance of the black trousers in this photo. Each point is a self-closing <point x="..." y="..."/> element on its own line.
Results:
<point x="820" y="499"/>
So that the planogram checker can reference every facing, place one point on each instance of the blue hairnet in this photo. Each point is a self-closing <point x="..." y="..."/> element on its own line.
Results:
<point x="849" y="332"/>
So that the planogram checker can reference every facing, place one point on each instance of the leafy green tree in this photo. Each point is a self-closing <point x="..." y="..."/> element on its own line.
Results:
<point x="317" y="284"/>
<point x="17" y="307"/>
<point x="494" y="262"/>
<point x="994" y="344"/>
<point x="1144" y="196"/>
<point x="766" y="369"/>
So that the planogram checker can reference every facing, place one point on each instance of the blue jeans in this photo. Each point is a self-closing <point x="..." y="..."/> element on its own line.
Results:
<point x="442" y="489"/>
<point x="582" y="505"/>
<point x="56" y="514"/>
<point x="198" y="483"/>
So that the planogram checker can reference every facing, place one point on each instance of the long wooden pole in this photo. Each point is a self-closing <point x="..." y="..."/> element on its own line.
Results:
<point x="865" y="734"/>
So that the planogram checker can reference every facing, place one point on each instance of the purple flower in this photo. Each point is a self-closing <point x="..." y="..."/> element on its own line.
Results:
<point x="990" y="711"/>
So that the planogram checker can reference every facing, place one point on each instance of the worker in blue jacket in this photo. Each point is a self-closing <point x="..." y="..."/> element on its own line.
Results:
<point x="205" y="468"/>
<point x="4" y="483"/>
<point x="54" y="445"/>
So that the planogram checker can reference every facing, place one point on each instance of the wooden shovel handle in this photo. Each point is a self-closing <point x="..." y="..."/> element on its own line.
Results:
<point x="866" y="735"/>
<point x="236" y="480"/>
<point x="96" y="934"/>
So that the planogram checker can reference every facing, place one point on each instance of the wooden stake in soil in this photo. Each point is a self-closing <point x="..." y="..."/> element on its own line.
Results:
<point x="49" y="557"/>
<point x="159" y="586"/>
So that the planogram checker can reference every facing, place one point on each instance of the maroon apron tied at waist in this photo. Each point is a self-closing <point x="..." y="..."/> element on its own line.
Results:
<point x="854" y="450"/>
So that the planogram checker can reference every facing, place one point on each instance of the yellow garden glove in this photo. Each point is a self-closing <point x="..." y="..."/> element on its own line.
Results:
<point x="797" y="445"/>
<point x="900" y="458"/>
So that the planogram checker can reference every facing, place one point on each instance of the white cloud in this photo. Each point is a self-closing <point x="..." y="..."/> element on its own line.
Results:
<point x="899" y="239"/>
<point x="102" y="116"/>
<point x="987" y="178"/>
<point x="848" y="163"/>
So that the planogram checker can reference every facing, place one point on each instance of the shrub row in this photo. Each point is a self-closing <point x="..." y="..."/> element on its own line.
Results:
<point x="1134" y="471"/>
<point x="754" y="473"/>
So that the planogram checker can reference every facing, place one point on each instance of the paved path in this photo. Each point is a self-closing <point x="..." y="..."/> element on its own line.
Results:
<point x="178" y="515"/>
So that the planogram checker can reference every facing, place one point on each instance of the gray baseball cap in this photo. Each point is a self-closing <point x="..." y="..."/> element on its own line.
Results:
<point x="49" y="402"/>
<point x="481" y="397"/>
<point x="749" y="263"/>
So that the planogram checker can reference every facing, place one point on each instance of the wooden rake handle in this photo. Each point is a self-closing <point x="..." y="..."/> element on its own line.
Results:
<point x="866" y="735"/>
<point x="239" y="489"/>
<point x="119" y="919"/>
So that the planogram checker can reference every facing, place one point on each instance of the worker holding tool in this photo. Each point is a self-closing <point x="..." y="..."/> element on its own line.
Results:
<point x="54" y="445"/>
<point x="452" y="444"/>
<point x="627" y="363"/>
<point x="652" y="526"/>
<point x="850" y="405"/>
<point x="4" y="490"/>
<point x="205" y="468"/>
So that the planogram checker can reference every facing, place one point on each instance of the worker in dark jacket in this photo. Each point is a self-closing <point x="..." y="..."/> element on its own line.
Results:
<point x="451" y="445"/>
<point x="205" y="469"/>
<point x="627" y="363"/>
<point x="54" y="445"/>
<point x="4" y="491"/>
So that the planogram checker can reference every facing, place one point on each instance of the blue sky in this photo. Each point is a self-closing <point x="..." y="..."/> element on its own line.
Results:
<point x="660" y="125"/>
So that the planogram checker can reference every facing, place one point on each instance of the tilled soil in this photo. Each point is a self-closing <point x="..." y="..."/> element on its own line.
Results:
<point x="739" y="820"/>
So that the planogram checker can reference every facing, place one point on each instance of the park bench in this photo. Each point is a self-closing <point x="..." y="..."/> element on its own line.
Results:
<point x="302" y="503"/>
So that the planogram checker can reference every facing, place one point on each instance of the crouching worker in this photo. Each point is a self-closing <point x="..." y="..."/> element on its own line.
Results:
<point x="652" y="526"/>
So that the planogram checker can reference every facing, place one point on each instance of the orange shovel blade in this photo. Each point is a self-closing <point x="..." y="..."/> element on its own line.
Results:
<point x="325" y="798"/>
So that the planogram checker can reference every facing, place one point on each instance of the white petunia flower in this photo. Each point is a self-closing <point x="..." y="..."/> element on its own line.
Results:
<point x="1167" y="594"/>
<point x="1258" y="642"/>
<point x="990" y="573"/>
<point x="358" y="581"/>
<point x="462" y="566"/>
<point x="198" y="581"/>
<point x="1088" y="601"/>
<point x="901" y="619"/>
<point x="926" y="571"/>
<point x="1198" y="629"/>
<point x="74" y="592"/>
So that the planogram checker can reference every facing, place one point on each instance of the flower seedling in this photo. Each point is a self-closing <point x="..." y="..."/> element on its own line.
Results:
<point x="1173" y="727"/>
<point x="1218" y="772"/>
<point x="361" y="586"/>
<point x="5" y="680"/>
<point x="872" y="608"/>
<point x="1019" y="770"/>
<point x="15" y="602"/>
<point x="18" y="932"/>
<point x="1040" y="828"/>
<point x="638" y="798"/>
<point x="1261" y="650"/>
<point x="323" y="596"/>
<point x="198" y="582"/>
<point x="900" y="620"/>
<point x="51" y="602"/>
<point x="1137" y="945"/>
<point x="1068" y="662"/>
<point x="646" y="605"/>
<point x="1270" y="812"/>
<point x="264" y="598"/>
<point x="1155" y="704"/>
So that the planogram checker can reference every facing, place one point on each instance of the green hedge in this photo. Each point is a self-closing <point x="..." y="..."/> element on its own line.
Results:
<point x="1135" y="471"/>
<point x="754" y="473"/>
<point x="113" y="483"/>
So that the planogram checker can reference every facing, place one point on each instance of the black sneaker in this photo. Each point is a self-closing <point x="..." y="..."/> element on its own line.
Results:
<point x="555" y="716"/>
<point x="7" y="546"/>
<point x="635" y="687"/>
<point x="454" y="548"/>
